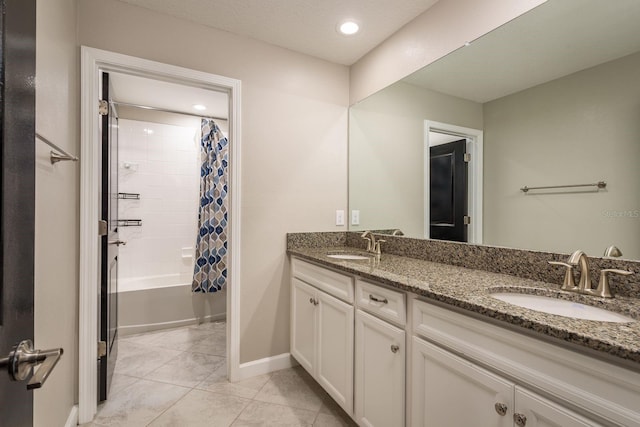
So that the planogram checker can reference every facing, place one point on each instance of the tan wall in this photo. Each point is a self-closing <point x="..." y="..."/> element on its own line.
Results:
<point x="386" y="153"/>
<point x="443" y="28"/>
<point x="294" y="144"/>
<point x="578" y="129"/>
<point x="56" y="241"/>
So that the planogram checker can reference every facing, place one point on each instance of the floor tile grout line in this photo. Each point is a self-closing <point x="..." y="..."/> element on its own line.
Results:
<point x="240" y="413"/>
<point x="169" y="407"/>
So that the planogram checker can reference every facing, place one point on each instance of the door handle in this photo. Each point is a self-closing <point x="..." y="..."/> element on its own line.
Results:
<point x="23" y="358"/>
<point x="117" y="242"/>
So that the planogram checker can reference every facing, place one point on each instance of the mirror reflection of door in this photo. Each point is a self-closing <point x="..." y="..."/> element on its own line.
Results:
<point x="448" y="191"/>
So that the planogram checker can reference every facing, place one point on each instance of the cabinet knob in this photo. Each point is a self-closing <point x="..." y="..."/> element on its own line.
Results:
<point x="520" y="420"/>
<point x="316" y="302"/>
<point x="501" y="408"/>
<point x="311" y="300"/>
<point x="394" y="348"/>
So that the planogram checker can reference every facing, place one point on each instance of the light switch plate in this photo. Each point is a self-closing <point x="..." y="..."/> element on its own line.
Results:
<point x="339" y="217"/>
<point x="355" y="217"/>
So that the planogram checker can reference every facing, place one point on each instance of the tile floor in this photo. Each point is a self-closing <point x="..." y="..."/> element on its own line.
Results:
<point x="177" y="377"/>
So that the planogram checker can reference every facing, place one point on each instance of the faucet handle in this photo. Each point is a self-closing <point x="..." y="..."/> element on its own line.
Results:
<point x="376" y="248"/>
<point x="569" y="283"/>
<point x="604" y="290"/>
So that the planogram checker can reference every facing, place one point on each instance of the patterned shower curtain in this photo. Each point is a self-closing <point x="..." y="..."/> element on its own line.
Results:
<point x="210" y="270"/>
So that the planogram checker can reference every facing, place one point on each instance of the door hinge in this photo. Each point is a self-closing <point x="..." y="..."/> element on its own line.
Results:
<point x="102" y="228"/>
<point x="466" y="220"/>
<point x="102" y="348"/>
<point x="103" y="107"/>
<point x="467" y="157"/>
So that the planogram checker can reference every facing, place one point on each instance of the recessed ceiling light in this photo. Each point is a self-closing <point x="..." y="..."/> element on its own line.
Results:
<point x="348" y="28"/>
<point x="199" y="107"/>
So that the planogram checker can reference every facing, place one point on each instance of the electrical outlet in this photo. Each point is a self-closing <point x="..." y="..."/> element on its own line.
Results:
<point x="339" y="217"/>
<point x="355" y="217"/>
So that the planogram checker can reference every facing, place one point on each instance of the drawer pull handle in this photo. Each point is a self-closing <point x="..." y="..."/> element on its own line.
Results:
<point x="394" y="348"/>
<point x="384" y="300"/>
<point x="520" y="420"/>
<point x="501" y="408"/>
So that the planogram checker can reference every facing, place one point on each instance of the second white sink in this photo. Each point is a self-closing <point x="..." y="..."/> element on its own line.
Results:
<point x="561" y="307"/>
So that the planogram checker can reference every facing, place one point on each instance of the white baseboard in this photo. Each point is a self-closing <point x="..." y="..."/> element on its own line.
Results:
<point x="266" y="365"/>
<point x="123" y="331"/>
<point x="72" y="419"/>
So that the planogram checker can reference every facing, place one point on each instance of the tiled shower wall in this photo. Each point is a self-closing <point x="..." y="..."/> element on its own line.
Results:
<point x="161" y="163"/>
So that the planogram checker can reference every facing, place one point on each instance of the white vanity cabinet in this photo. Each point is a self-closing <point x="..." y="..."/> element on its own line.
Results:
<point x="449" y="390"/>
<point x="322" y="329"/>
<point x="390" y="358"/>
<point x="380" y="372"/>
<point x="379" y="356"/>
<point x="464" y="369"/>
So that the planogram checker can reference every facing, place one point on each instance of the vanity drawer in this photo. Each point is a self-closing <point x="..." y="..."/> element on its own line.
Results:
<point x="383" y="302"/>
<point x="336" y="284"/>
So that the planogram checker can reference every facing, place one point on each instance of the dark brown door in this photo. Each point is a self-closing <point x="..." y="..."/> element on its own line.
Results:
<point x="448" y="192"/>
<point x="17" y="111"/>
<point x="108" y="319"/>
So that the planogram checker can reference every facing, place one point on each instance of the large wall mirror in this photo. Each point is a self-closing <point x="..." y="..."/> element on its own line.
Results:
<point x="551" y="98"/>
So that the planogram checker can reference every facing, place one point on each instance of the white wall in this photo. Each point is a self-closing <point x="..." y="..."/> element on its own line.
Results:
<point x="386" y="153"/>
<point x="57" y="198"/>
<point x="164" y="168"/>
<point x="578" y="129"/>
<point x="441" y="29"/>
<point x="294" y="144"/>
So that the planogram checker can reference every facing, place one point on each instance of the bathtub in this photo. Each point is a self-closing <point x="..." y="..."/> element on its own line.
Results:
<point x="161" y="302"/>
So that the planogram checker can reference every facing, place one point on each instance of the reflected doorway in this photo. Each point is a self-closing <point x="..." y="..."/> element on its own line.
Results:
<point x="452" y="183"/>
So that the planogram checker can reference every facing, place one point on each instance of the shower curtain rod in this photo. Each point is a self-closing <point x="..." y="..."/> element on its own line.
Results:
<point x="164" y="110"/>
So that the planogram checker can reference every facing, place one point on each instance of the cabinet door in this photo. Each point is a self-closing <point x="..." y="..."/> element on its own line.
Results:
<point x="533" y="410"/>
<point x="380" y="372"/>
<point x="450" y="391"/>
<point x="334" y="369"/>
<point x="303" y="324"/>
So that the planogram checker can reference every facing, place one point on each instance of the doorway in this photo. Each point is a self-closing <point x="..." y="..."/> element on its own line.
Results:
<point x="440" y="141"/>
<point x="95" y="63"/>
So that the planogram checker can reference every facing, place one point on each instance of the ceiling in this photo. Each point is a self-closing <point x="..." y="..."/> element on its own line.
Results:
<point x="555" y="39"/>
<point x="306" y="26"/>
<point x="159" y="94"/>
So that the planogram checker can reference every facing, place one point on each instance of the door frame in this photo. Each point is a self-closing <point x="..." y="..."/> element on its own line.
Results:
<point x="474" y="139"/>
<point x="93" y="61"/>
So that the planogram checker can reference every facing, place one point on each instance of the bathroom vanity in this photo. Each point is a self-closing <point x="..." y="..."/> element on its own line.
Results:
<point x="403" y="341"/>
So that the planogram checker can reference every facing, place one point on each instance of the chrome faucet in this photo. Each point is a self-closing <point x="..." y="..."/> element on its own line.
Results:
<point x="579" y="258"/>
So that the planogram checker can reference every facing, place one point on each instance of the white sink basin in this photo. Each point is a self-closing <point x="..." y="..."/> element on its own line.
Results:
<point x="352" y="257"/>
<point x="561" y="307"/>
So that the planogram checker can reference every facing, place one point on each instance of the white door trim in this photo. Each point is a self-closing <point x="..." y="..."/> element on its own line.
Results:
<point x="475" y="148"/>
<point x="93" y="61"/>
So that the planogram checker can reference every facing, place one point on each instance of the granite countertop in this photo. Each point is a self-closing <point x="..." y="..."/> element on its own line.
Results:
<point x="470" y="290"/>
